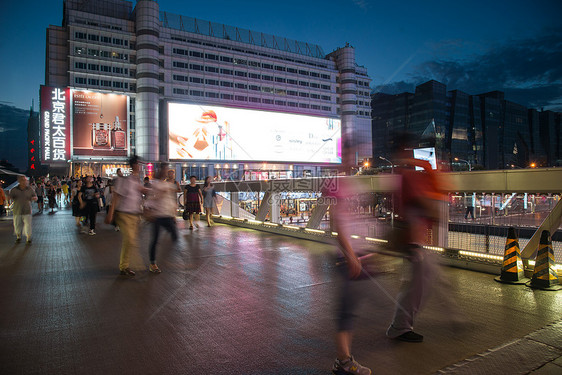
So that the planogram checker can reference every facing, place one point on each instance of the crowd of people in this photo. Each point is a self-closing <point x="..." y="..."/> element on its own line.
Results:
<point x="128" y="200"/>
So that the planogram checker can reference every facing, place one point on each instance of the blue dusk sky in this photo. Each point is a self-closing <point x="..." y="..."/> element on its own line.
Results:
<point x="474" y="46"/>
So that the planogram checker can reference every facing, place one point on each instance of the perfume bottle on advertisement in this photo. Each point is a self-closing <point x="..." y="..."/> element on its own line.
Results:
<point x="101" y="138"/>
<point x="118" y="136"/>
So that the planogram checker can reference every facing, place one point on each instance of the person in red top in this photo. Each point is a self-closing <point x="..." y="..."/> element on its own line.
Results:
<point x="417" y="207"/>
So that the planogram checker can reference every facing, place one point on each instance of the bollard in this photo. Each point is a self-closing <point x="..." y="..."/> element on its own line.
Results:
<point x="512" y="271"/>
<point x="544" y="275"/>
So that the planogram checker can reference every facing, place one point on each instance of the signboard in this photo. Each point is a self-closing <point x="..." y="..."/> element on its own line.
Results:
<point x="201" y="132"/>
<point x="55" y="125"/>
<point x="427" y="154"/>
<point x="100" y="124"/>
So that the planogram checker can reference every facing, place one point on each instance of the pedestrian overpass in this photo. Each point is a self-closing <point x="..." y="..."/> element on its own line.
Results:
<point x="480" y="245"/>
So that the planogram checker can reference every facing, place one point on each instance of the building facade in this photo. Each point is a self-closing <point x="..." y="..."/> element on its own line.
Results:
<point x="483" y="131"/>
<point x="155" y="57"/>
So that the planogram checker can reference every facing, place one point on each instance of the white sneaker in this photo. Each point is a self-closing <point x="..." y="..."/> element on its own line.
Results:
<point x="91" y="232"/>
<point x="117" y="229"/>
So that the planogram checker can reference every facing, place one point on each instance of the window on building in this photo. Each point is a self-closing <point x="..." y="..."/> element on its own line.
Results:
<point x="325" y="87"/>
<point x="227" y="71"/>
<point x="93" y="82"/>
<point x="240" y="74"/>
<point x="327" y="109"/>
<point x="303" y="72"/>
<point x="280" y="80"/>
<point x="241" y="86"/>
<point x="292" y="93"/>
<point x="213" y="82"/>
<point x="179" y="64"/>
<point x="210" y="56"/>
<point x="268" y="90"/>
<point x="80" y="80"/>
<point x="303" y="105"/>
<point x="227" y="59"/>
<point x="241" y="98"/>
<point x="254" y="100"/>
<point x="196" y="54"/>
<point x="282" y="92"/>
<point x="267" y="66"/>
<point x="255" y="64"/>
<point x="212" y="95"/>
<point x="196" y="67"/>
<point x="94" y="67"/>
<point x="266" y="77"/>
<point x="291" y="70"/>
<point x="80" y="65"/>
<point x="179" y="51"/>
<point x="240" y="62"/>
<point x="255" y="76"/>
<point x="314" y="85"/>
<point x="280" y="68"/>
<point x="304" y="94"/>
<point x="79" y="50"/>
<point x="196" y="93"/>
<point x="292" y="81"/>
<point x="254" y="87"/>
<point x="226" y="96"/>
<point x="105" y="68"/>
<point x="80" y="35"/>
<point x="303" y="83"/>
<point x="267" y="101"/>
<point x="292" y="104"/>
<point x="226" y="84"/>
<point x="195" y="79"/>
<point x="105" y="83"/>
<point x="280" y="102"/>
<point x="93" y="52"/>
<point x="93" y="38"/>
<point x="211" y="69"/>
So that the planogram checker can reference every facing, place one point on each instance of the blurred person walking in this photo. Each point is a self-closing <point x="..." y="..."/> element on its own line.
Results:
<point x="108" y="194"/>
<point x="65" y="192"/>
<point x="22" y="195"/>
<point x="89" y="202"/>
<point x="209" y="199"/>
<point x="126" y="209"/>
<point x="192" y="201"/>
<point x="417" y="203"/>
<point x="162" y="205"/>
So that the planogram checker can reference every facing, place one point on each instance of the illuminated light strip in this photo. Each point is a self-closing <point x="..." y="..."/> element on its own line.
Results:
<point x="480" y="255"/>
<point x="557" y="267"/>
<point x="314" y="230"/>
<point x="271" y="224"/>
<point x="225" y="217"/>
<point x="255" y="221"/>
<point x="291" y="227"/>
<point x="335" y="234"/>
<point x="354" y="236"/>
<point x="237" y="219"/>
<point x="375" y="240"/>
<point x="434" y="248"/>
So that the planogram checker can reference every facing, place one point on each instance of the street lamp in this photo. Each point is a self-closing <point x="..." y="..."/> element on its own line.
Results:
<point x="466" y="161"/>
<point x="389" y="162"/>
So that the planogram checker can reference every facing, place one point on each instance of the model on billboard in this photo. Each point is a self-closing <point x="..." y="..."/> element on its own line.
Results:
<point x="237" y="134"/>
<point x="209" y="140"/>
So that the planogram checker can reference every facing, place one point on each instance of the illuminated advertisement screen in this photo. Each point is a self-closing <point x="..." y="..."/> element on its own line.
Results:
<point x="99" y="124"/>
<point x="55" y="125"/>
<point x="427" y="154"/>
<point x="203" y="132"/>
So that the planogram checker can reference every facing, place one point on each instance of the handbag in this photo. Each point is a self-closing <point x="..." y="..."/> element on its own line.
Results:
<point x="185" y="215"/>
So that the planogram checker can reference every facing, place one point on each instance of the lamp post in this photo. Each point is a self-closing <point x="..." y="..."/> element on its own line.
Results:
<point x="467" y="162"/>
<point x="392" y="203"/>
<point x="389" y="162"/>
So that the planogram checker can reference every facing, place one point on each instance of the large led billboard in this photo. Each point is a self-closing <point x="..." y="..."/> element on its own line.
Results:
<point x="202" y="132"/>
<point x="100" y="124"/>
<point x="55" y="125"/>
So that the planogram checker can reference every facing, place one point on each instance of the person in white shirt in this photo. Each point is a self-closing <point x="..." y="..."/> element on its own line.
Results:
<point x="162" y="205"/>
<point x="126" y="207"/>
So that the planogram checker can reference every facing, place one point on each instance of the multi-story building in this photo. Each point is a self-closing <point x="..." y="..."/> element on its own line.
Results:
<point x="483" y="130"/>
<point x="155" y="57"/>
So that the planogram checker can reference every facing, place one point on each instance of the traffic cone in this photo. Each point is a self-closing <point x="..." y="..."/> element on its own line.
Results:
<point x="512" y="269"/>
<point x="544" y="275"/>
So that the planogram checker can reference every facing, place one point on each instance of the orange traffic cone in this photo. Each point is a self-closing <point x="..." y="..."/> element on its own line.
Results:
<point x="512" y="269"/>
<point x="544" y="275"/>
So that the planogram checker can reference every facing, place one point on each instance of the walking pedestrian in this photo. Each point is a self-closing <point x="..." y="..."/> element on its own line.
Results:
<point x="40" y="192"/>
<point x="22" y="195"/>
<point x="51" y="194"/>
<point x="192" y="201"/>
<point x="77" y="212"/>
<point x="349" y="291"/>
<point x="65" y="192"/>
<point x="162" y="204"/>
<point x="108" y="193"/>
<point x="417" y="202"/>
<point x="126" y="208"/>
<point x="209" y="199"/>
<point x="468" y="203"/>
<point x="89" y="201"/>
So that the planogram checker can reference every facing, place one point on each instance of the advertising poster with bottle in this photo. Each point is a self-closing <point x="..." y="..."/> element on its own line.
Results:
<point x="202" y="132"/>
<point x="100" y="124"/>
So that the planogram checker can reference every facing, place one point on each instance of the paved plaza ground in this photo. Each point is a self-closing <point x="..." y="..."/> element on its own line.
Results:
<point x="236" y="301"/>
